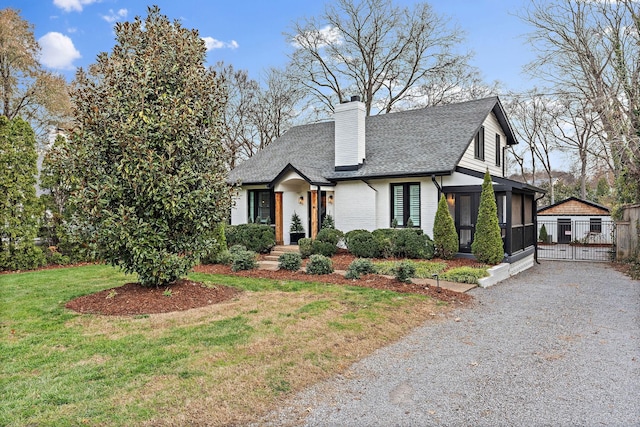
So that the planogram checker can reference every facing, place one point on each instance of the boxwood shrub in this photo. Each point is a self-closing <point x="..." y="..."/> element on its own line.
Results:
<point x="304" y="246"/>
<point x="243" y="260"/>
<point x="319" y="264"/>
<point x="361" y="243"/>
<point x="290" y="261"/>
<point x="255" y="237"/>
<point x="358" y="267"/>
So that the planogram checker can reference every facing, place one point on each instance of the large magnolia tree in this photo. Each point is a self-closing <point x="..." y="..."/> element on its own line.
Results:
<point x="147" y="153"/>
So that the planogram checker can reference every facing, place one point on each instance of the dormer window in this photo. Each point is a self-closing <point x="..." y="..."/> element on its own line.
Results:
<point x="478" y="144"/>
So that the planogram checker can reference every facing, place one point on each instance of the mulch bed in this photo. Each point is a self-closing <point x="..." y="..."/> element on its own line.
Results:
<point x="134" y="299"/>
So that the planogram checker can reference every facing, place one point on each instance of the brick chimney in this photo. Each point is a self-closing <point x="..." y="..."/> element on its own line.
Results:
<point x="349" y="120"/>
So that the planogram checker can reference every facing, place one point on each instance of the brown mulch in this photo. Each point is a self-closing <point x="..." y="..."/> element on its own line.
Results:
<point x="134" y="299"/>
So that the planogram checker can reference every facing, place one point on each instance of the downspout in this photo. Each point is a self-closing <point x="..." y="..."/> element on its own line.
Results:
<point x="433" y="178"/>
<point x="535" y="227"/>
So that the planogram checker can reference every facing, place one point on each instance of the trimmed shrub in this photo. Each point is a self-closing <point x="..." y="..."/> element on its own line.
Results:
<point x="330" y="235"/>
<point x="304" y="246"/>
<point x="358" y="267"/>
<point x="290" y="261"/>
<point x="464" y="274"/>
<point x="362" y="244"/>
<point x="319" y="264"/>
<point x="404" y="271"/>
<point x="487" y="241"/>
<point x="243" y="260"/>
<point x="350" y="234"/>
<point x="255" y="237"/>
<point x="323" y="248"/>
<point x="445" y="237"/>
<point x="408" y="243"/>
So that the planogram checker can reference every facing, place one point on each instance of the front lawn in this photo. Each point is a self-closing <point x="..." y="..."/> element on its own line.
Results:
<point x="221" y="364"/>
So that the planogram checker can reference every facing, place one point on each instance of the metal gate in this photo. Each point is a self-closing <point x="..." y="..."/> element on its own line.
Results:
<point x="584" y="240"/>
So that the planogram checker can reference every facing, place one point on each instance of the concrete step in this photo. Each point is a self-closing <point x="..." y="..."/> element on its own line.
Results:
<point x="285" y="248"/>
<point x="268" y="265"/>
<point x="273" y="256"/>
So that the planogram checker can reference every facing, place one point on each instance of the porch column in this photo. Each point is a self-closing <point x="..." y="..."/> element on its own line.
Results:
<point x="279" y="234"/>
<point x="314" y="213"/>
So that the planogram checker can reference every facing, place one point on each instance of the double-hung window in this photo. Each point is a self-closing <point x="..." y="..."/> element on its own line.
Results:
<point x="478" y="144"/>
<point x="260" y="206"/>
<point x="405" y="204"/>
<point x="595" y="225"/>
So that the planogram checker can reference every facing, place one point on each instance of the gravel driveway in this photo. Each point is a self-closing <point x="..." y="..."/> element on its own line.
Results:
<point x="557" y="345"/>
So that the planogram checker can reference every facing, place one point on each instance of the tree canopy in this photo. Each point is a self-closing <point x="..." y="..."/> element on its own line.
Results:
<point x="26" y="89"/>
<point x="392" y="57"/>
<point x="147" y="151"/>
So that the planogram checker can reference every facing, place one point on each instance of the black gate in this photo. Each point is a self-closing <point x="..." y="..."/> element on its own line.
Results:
<point x="584" y="240"/>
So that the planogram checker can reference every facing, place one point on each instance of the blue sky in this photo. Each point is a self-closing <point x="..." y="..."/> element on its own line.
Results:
<point x="249" y="33"/>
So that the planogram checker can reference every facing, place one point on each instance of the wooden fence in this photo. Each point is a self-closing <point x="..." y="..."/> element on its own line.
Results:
<point x="627" y="232"/>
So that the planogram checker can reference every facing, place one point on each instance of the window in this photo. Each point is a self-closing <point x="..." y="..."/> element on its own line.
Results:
<point x="478" y="144"/>
<point x="260" y="205"/>
<point x="405" y="204"/>
<point x="498" y="150"/>
<point x="595" y="225"/>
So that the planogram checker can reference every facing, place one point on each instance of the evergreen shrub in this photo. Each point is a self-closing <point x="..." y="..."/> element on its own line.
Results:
<point x="290" y="261"/>
<point x="259" y="238"/>
<point x="358" y="267"/>
<point x="487" y="244"/>
<point x="445" y="237"/>
<point x="319" y="264"/>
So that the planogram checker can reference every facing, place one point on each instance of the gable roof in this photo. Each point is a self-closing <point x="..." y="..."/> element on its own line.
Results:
<point x="418" y="142"/>
<point x="572" y="206"/>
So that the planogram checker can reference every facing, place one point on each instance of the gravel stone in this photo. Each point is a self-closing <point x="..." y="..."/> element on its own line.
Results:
<point x="557" y="345"/>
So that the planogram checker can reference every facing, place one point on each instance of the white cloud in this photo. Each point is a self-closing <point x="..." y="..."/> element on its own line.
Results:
<point x="212" y="43"/>
<point x="70" y="5"/>
<point x="57" y="51"/>
<point x="323" y="37"/>
<point x="115" y="16"/>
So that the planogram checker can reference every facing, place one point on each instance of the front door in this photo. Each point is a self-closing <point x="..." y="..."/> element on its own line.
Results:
<point x="466" y="215"/>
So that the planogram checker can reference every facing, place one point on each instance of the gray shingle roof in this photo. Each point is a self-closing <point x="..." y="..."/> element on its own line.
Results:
<point x="416" y="142"/>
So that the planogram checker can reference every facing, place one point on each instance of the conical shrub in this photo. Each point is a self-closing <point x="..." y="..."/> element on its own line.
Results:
<point x="445" y="237"/>
<point x="487" y="242"/>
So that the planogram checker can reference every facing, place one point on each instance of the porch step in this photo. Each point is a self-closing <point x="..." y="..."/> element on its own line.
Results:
<point x="270" y="262"/>
<point x="285" y="248"/>
<point x="268" y="265"/>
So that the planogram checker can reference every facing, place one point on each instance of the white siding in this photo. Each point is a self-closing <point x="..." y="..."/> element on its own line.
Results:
<point x="362" y="206"/>
<point x="355" y="206"/>
<point x="491" y="128"/>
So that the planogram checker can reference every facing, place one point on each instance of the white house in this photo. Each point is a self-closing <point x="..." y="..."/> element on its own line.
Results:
<point x="372" y="172"/>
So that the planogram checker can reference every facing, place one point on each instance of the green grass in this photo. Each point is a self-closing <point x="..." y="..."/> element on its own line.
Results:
<point x="221" y="365"/>
<point x="424" y="269"/>
<point x="464" y="274"/>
